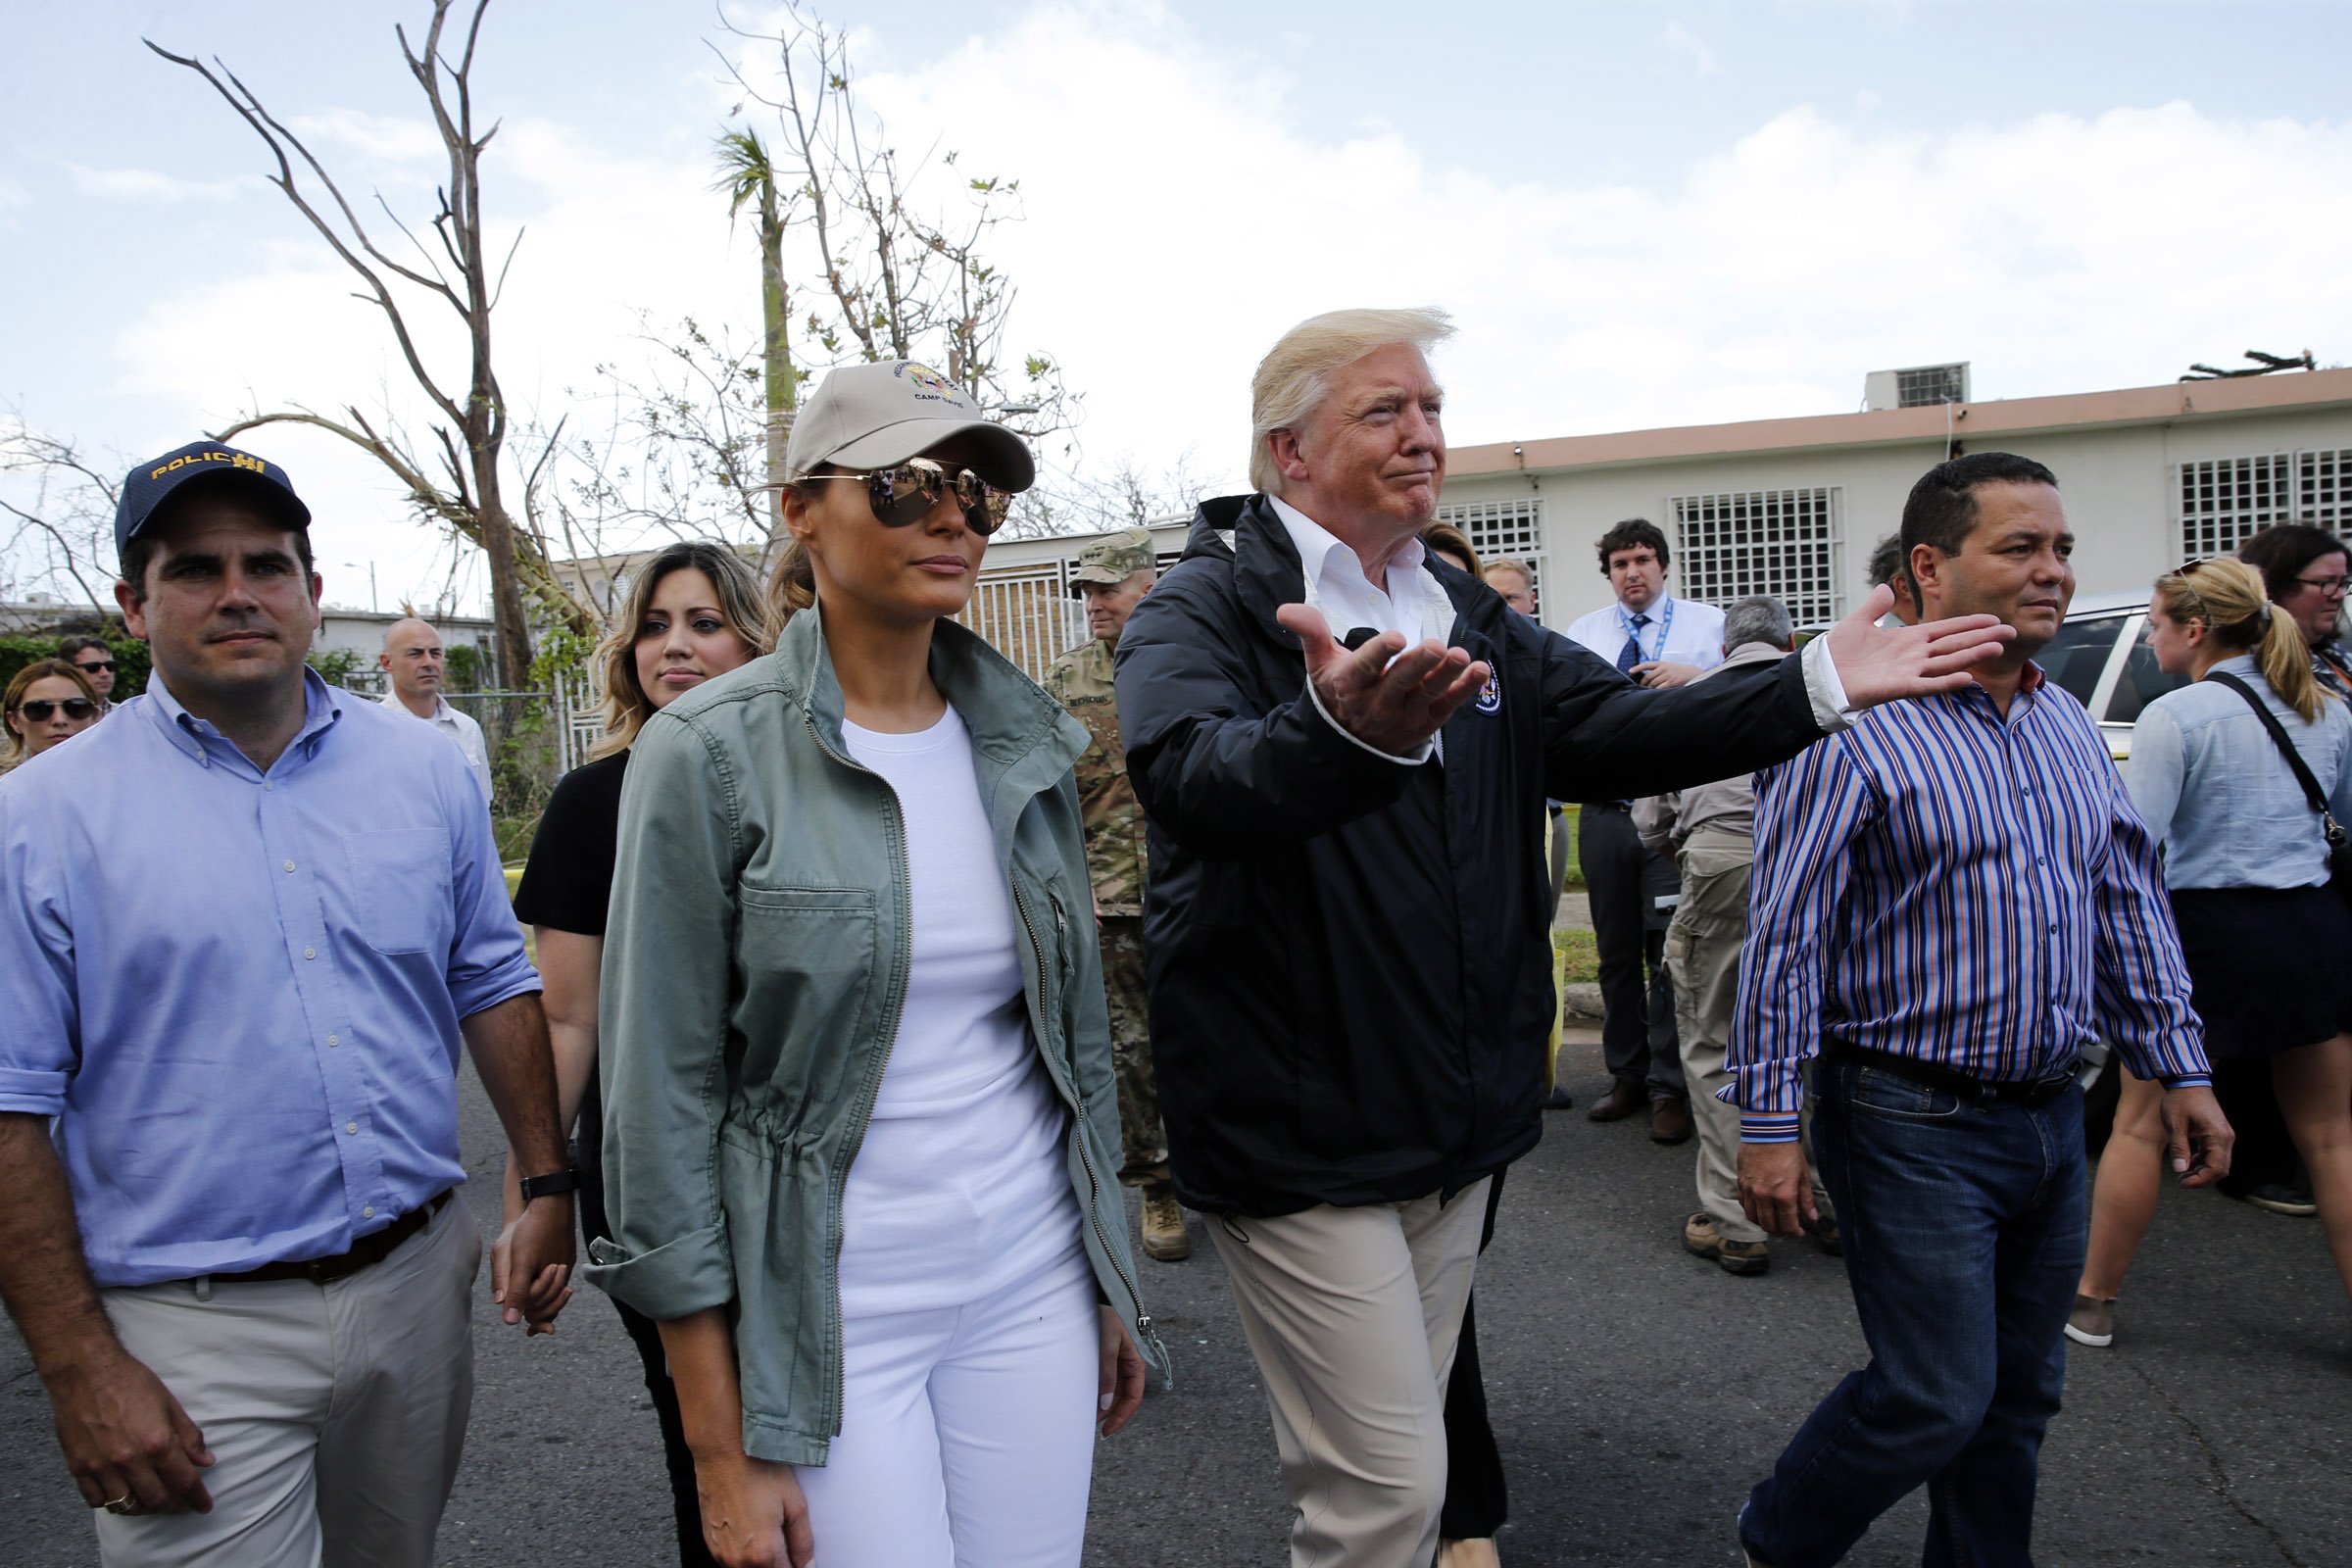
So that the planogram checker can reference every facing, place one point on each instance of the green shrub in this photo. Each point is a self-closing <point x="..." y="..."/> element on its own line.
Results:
<point x="130" y="660"/>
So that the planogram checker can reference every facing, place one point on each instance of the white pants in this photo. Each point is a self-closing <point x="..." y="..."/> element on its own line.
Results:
<point x="967" y="1433"/>
<point x="1353" y="1315"/>
<point x="335" y="1413"/>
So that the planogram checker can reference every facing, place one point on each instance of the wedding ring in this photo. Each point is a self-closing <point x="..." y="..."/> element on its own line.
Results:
<point x="121" y="1504"/>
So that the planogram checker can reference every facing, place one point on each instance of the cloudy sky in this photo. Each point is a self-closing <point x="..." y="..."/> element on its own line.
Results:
<point x="1640" y="214"/>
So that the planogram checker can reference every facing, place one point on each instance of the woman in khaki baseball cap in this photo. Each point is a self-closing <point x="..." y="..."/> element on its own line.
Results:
<point x="863" y="1143"/>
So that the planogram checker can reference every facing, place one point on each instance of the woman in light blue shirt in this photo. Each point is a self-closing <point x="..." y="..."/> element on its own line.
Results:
<point x="2247" y="865"/>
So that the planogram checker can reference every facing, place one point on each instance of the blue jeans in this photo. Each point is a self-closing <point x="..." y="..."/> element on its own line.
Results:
<point x="1964" y="1221"/>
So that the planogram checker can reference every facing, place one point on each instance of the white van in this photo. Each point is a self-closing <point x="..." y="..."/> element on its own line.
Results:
<point x="2102" y="656"/>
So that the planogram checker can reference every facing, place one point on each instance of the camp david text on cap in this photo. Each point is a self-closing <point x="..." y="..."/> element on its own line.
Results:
<point x="869" y="417"/>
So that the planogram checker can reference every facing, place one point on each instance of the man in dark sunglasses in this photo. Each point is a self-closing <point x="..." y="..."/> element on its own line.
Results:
<point x="96" y="661"/>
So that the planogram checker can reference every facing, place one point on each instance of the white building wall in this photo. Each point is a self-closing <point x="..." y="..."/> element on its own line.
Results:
<point x="2120" y="485"/>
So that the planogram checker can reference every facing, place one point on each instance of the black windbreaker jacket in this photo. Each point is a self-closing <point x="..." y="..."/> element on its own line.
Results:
<point x="1349" y="959"/>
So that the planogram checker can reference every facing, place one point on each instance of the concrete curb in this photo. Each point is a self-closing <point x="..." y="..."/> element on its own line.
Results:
<point x="1580" y="1003"/>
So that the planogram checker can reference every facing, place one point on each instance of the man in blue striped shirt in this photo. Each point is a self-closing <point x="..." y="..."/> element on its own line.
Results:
<point x="1950" y="900"/>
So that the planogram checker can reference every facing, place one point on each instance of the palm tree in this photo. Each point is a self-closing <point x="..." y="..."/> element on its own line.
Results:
<point x="749" y="176"/>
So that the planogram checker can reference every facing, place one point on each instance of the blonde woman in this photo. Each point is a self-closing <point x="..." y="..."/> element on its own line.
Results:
<point x="695" y="613"/>
<point x="48" y="702"/>
<point x="2247" y="868"/>
<point x="861" y="1139"/>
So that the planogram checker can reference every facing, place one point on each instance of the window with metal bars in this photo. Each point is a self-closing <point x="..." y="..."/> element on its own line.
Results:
<point x="2324" y="489"/>
<point x="1930" y="385"/>
<point x="2226" y="500"/>
<point x="1504" y="528"/>
<point x="1785" y="543"/>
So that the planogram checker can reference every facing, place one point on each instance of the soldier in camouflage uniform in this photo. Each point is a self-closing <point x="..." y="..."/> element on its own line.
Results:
<point x="1112" y="576"/>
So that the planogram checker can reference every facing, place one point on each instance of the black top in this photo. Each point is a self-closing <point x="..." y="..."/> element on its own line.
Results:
<point x="567" y="882"/>
<point x="1351" y="960"/>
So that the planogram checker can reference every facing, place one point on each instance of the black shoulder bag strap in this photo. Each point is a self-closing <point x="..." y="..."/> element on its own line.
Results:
<point x="2339" y="849"/>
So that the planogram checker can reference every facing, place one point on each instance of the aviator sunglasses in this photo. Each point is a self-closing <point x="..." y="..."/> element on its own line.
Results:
<point x="40" y="707"/>
<point x="906" y="494"/>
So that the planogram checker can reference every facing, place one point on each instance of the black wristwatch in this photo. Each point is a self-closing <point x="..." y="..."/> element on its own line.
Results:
<point x="562" y="1181"/>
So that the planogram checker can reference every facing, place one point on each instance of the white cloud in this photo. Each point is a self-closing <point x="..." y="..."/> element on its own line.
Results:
<point x="1195" y="217"/>
<point x="1702" y="59"/>
<point x="388" y="139"/>
<point x="152" y="185"/>
<point x="1181" y="210"/>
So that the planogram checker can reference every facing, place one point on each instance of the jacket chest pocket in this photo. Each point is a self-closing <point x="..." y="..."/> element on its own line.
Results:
<point x="402" y="879"/>
<point x="806" y="960"/>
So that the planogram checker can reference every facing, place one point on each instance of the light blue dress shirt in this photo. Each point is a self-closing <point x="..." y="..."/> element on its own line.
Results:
<point x="239" y="993"/>
<point x="2209" y="781"/>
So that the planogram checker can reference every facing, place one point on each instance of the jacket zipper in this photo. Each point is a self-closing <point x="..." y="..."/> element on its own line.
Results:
<point x="1094" y="1183"/>
<point x="872" y="1088"/>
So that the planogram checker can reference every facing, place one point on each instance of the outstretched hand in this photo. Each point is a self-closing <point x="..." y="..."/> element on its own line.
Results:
<point x="1391" y="697"/>
<point x="1881" y="663"/>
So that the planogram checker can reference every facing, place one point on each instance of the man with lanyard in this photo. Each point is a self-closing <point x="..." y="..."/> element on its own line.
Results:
<point x="245" y="925"/>
<point x="1113" y="577"/>
<point x="1950" y="900"/>
<point x="1657" y="641"/>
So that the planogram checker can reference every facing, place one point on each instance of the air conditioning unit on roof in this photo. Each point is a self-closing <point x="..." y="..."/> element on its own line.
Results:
<point x="1923" y="386"/>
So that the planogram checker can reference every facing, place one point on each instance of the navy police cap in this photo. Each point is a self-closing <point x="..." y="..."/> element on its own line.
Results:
<point x="149" y="486"/>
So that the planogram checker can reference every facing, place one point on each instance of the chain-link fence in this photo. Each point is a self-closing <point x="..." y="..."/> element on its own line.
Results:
<point x="533" y="739"/>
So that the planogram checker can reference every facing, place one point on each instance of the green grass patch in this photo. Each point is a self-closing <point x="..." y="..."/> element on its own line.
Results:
<point x="1566" y="828"/>
<point x="1583" y="951"/>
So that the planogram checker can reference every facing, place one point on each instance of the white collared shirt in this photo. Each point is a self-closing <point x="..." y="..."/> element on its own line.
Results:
<point x="463" y="732"/>
<point x="1680" y="631"/>
<point x="1408" y="601"/>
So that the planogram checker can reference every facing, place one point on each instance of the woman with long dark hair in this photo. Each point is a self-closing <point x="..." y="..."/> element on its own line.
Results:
<point x="694" y="612"/>
<point x="861" y="1140"/>
<point x="2246" y="864"/>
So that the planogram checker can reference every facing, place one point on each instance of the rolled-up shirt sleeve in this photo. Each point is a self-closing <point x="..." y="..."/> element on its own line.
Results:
<point x="1808" y="811"/>
<point x="39" y="1043"/>
<point x="663" y="1021"/>
<point x="487" y="961"/>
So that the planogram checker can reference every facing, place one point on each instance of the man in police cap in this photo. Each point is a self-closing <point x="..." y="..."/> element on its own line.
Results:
<point x="244" y="926"/>
<point x="1112" y="576"/>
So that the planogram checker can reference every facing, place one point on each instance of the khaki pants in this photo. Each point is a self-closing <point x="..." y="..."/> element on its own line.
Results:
<point x="1702" y="951"/>
<point x="335" y="1413"/>
<point x="1352" y="1314"/>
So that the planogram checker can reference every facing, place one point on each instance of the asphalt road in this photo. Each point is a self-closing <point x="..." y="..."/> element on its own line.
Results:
<point x="1637" y="1393"/>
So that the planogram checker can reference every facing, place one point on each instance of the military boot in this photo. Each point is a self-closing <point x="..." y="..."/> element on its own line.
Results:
<point x="1165" y="1235"/>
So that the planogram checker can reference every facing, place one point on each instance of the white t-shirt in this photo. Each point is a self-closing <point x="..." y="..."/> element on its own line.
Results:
<point x="961" y="1186"/>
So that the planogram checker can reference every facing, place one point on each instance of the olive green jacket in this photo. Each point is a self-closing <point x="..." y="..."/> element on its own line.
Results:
<point x="754" y="964"/>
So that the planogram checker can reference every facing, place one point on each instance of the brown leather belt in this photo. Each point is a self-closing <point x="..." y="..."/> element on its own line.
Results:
<point x="367" y="1250"/>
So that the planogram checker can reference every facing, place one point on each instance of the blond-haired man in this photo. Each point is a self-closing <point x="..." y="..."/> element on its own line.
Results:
<point x="1344" y="756"/>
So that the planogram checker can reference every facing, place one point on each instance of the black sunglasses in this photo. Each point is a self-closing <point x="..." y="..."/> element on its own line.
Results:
<point x="40" y="707"/>
<point x="95" y="664"/>
<point x="905" y="495"/>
